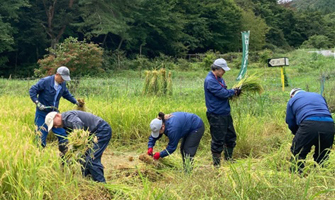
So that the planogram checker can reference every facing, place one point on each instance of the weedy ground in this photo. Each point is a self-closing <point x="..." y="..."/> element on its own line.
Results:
<point x="262" y="153"/>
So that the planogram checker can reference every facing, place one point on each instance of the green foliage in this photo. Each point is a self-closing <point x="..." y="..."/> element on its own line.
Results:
<point x="324" y="6"/>
<point x="9" y="15"/>
<point x="286" y="84"/>
<point x="127" y="29"/>
<point x="208" y="59"/>
<point x="317" y="41"/>
<point x="80" y="57"/>
<point x="258" y="29"/>
<point x="264" y="56"/>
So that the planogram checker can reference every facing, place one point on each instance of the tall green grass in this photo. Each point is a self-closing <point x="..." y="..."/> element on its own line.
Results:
<point x="262" y="151"/>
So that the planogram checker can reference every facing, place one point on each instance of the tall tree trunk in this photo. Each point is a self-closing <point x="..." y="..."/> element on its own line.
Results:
<point x="50" y="12"/>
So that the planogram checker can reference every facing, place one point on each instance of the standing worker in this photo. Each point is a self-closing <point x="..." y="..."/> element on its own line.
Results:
<point x="218" y="112"/>
<point x="175" y="126"/>
<point x="76" y="119"/>
<point x="311" y="123"/>
<point x="46" y="93"/>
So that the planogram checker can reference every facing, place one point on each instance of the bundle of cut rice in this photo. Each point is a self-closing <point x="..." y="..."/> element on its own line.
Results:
<point x="79" y="142"/>
<point x="250" y="84"/>
<point x="81" y="105"/>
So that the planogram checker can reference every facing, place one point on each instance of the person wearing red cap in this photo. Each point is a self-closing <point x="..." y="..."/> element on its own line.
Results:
<point x="46" y="93"/>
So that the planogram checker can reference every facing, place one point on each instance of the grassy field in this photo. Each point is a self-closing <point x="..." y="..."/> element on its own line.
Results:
<point x="262" y="151"/>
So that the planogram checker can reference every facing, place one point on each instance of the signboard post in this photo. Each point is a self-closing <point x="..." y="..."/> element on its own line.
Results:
<point x="279" y="62"/>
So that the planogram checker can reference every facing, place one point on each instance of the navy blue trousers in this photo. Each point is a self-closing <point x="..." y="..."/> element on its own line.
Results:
<point x="92" y="164"/>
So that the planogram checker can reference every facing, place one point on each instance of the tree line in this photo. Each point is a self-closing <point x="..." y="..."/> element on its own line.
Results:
<point x="151" y="28"/>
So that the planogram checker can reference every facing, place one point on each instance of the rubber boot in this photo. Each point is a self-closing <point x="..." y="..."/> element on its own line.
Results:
<point x="228" y="153"/>
<point x="216" y="159"/>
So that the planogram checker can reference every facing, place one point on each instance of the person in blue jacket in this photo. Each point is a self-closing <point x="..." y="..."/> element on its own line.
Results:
<point x="218" y="112"/>
<point x="77" y="119"/>
<point x="178" y="125"/>
<point x="311" y="123"/>
<point x="46" y="93"/>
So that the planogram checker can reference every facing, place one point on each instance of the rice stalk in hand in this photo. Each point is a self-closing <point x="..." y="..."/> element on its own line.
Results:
<point x="79" y="143"/>
<point x="81" y="105"/>
<point x="250" y="84"/>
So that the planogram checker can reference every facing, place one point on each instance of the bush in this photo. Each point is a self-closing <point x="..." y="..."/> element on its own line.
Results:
<point x="317" y="41"/>
<point x="80" y="57"/>
<point x="208" y="60"/>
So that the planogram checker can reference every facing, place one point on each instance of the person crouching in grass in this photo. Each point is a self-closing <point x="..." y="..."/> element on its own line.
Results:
<point x="76" y="119"/>
<point x="178" y="125"/>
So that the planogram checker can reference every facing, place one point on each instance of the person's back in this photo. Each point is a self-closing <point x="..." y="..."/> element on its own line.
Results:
<point x="87" y="121"/>
<point x="182" y="123"/>
<point x="308" y="104"/>
<point x="309" y="119"/>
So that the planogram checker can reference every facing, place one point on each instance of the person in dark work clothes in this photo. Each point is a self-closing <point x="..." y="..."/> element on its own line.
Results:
<point x="218" y="112"/>
<point x="76" y="119"/>
<point x="47" y="92"/>
<point x="311" y="123"/>
<point x="178" y="125"/>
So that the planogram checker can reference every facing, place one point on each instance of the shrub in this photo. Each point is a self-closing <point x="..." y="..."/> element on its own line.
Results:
<point x="80" y="57"/>
<point x="317" y="41"/>
<point x="208" y="60"/>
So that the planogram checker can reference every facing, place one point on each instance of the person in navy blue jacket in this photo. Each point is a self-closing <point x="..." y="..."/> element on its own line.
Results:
<point x="311" y="123"/>
<point x="47" y="92"/>
<point x="178" y="125"/>
<point x="218" y="112"/>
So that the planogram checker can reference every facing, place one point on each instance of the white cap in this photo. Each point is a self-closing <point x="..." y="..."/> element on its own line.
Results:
<point x="49" y="120"/>
<point x="155" y="125"/>
<point x="221" y="63"/>
<point x="295" y="91"/>
<point x="64" y="72"/>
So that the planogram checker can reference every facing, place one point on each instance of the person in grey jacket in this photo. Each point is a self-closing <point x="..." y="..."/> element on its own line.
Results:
<point x="76" y="119"/>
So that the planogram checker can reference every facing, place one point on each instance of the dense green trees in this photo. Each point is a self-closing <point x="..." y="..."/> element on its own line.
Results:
<point x="156" y="27"/>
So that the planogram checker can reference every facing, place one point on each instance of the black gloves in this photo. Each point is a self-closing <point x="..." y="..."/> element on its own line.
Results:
<point x="238" y="91"/>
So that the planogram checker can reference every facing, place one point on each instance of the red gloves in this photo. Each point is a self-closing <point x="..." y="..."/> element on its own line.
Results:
<point x="156" y="156"/>
<point x="150" y="151"/>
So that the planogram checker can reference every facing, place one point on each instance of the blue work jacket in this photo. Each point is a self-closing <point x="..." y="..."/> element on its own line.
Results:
<point x="217" y="95"/>
<point x="178" y="126"/>
<point x="306" y="106"/>
<point x="45" y="93"/>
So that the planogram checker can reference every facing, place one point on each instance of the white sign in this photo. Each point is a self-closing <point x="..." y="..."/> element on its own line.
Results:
<point x="273" y="62"/>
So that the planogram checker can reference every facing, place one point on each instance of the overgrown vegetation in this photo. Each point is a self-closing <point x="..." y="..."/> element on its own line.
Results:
<point x="83" y="59"/>
<point x="262" y="151"/>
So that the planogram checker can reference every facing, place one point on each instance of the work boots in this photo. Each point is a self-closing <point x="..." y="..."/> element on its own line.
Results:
<point x="216" y="159"/>
<point x="228" y="153"/>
